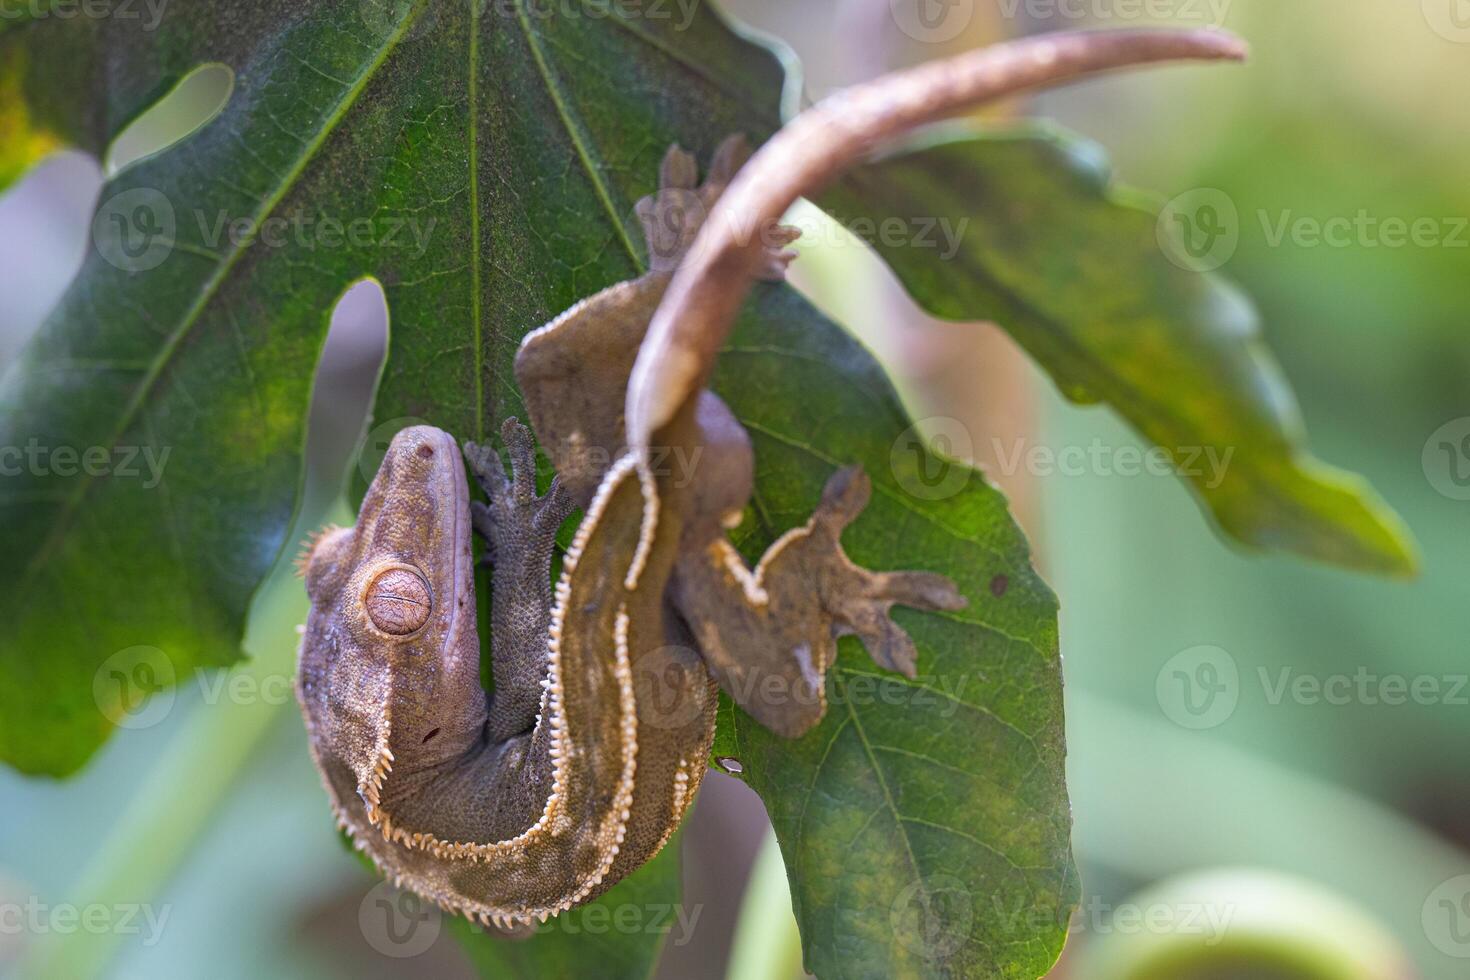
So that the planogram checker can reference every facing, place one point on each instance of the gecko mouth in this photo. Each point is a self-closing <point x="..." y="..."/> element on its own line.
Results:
<point x="461" y="582"/>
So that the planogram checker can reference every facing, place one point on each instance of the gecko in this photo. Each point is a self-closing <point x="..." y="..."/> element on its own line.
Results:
<point x="513" y="806"/>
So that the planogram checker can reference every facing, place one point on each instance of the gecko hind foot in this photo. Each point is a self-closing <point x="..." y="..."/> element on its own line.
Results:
<point x="770" y="637"/>
<point x="861" y="601"/>
<point x="516" y="524"/>
<point x="672" y="216"/>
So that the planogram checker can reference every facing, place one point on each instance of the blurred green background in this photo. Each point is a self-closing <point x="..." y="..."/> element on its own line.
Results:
<point x="1311" y="821"/>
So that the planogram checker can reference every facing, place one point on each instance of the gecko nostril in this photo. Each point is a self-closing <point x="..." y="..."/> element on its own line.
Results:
<point x="426" y="451"/>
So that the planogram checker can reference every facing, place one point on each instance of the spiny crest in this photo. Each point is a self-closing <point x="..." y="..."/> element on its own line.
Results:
<point x="309" y="546"/>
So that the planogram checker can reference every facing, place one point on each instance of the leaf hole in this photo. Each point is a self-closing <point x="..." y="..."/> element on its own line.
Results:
<point x="342" y="392"/>
<point x="47" y="217"/>
<point x="199" y="97"/>
<point x="342" y="388"/>
<point x="730" y="764"/>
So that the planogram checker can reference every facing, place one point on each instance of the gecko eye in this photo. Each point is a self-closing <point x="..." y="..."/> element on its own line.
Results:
<point x="398" y="602"/>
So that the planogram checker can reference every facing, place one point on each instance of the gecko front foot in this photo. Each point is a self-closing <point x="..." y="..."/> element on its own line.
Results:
<point x="517" y="525"/>
<point x="519" y="529"/>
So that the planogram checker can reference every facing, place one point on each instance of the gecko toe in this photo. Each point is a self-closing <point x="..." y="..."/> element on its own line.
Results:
<point x="554" y="507"/>
<point x="485" y="464"/>
<point x="729" y="157"/>
<point x="483" y="520"/>
<point x="522" y="449"/>
<point x="860" y="601"/>
<point x="679" y="171"/>
<point x="845" y="496"/>
<point x="778" y="257"/>
<point x="515" y="523"/>
<point x="887" y="643"/>
<point x="921" y="590"/>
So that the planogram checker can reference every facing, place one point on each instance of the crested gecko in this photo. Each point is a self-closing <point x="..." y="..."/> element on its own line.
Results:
<point x="514" y="806"/>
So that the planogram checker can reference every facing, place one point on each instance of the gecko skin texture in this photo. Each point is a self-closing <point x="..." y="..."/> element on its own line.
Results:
<point x="512" y="807"/>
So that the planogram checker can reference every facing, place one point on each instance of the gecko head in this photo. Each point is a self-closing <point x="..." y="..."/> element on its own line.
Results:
<point x="398" y="579"/>
<point x="391" y="635"/>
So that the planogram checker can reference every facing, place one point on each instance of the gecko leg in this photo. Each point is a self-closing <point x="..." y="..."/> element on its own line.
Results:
<point x="519" y="529"/>
<point x="770" y="635"/>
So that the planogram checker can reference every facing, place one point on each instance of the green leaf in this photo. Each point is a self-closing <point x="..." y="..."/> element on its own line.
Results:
<point x="619" y="936"/>
<point x="925" y="824"/>
<point x="1072" y="266"/>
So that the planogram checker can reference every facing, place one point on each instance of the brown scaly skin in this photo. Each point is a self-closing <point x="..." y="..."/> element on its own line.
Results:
<point x="596" y="741"/>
